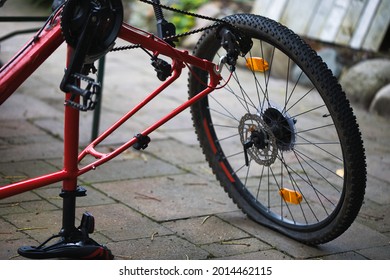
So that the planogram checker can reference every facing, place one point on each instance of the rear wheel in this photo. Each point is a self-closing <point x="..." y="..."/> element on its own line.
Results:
<point x="281" y="136"/>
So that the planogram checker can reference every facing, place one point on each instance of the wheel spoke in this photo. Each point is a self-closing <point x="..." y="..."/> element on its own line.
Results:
<point x="275" y="138"/>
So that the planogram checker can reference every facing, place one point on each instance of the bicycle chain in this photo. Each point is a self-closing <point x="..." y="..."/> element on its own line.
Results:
<point x="183" y="12"/>
<point x="173" y="37"/>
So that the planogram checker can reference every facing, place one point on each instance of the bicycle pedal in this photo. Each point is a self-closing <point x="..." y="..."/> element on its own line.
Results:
<point x="89" y="93"/>
<point x="83" y="78"/>
<point x="91" y="87"/>
<point x="87" y="224"/>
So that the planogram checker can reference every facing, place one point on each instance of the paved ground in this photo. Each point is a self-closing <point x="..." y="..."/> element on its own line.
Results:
<point x="163" y="203"/>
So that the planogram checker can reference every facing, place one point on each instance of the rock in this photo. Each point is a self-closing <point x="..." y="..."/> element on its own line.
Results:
<point x="381" y="103"/>
<point x="329" y="56"/>
<point x="362" y="81"/>
<point x="140" y="15"/>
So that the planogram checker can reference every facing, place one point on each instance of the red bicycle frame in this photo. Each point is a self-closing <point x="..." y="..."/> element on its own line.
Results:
<point x="40" y="48"/>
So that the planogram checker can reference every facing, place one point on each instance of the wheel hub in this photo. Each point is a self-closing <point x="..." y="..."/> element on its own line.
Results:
<point x="282" y="127"/>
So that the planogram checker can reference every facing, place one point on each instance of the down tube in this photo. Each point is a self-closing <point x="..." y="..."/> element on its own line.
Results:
<point x="31" y="184"/>
<point x="28" y="60"/>
<point x="12" y="75"/>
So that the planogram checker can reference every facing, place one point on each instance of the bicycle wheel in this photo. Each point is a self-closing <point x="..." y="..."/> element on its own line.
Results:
<point x="281" y="136"/>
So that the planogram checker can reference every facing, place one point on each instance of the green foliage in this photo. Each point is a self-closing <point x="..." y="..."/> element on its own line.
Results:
<point x="184" y="23"/>
<point x="43" y="3"/>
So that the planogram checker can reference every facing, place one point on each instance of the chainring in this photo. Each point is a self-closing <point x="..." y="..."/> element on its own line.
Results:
<point x="75" y="15"/>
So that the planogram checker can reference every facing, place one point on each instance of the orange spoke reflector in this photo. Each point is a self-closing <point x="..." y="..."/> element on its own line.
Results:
<point x="257" y="64"/>
<point x="340" y="172"/>
<point x="290" y="196"/>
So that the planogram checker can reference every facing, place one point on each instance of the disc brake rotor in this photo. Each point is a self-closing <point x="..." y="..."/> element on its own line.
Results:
<point x="253" y="124"/>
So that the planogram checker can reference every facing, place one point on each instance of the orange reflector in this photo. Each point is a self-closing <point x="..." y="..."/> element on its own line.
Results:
<point x="257" y="64"/>
<point x="340" y="172"/>
<point x="290" y="196"/>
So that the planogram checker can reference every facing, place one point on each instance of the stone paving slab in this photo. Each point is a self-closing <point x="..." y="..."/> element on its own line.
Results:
<point x="119" y="222"/>
<point x="164" y="248"/>
<point x="171" y="197"/>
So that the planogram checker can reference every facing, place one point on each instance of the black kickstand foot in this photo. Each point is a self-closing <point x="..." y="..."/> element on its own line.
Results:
<point x="77" y="245"/>
<point x="68" y="250"/>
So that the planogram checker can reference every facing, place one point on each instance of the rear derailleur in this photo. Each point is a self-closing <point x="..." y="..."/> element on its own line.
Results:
<point x="235" y="43"/>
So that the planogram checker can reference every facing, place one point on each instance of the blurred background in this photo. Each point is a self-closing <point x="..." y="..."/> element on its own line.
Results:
<point x="352" y="36"/>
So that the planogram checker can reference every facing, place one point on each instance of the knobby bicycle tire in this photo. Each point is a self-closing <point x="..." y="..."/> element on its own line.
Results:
<point x="302" y="171"/>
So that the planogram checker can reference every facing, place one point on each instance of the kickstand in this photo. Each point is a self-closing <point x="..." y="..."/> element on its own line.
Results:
<point x="76" y="245"/>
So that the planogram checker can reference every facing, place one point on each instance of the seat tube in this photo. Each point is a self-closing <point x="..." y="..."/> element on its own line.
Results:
<point x="71" y="140"/>
<point x="71" y="144"/>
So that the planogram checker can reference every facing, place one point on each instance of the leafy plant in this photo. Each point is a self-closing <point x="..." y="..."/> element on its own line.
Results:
<point x="182" y="22"/>
<point x="44" y="3"/>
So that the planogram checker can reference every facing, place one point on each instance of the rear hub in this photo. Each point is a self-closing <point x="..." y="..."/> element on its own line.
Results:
<point x="282" y="127"/>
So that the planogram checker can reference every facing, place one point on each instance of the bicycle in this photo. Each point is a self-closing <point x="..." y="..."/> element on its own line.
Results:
<point x="289" y="155"/>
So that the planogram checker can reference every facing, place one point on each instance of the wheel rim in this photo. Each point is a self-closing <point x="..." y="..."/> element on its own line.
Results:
<point x="296" y="163"/>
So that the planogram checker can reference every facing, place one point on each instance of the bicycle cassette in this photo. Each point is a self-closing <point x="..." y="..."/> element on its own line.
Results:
<point x="107" y="16"/>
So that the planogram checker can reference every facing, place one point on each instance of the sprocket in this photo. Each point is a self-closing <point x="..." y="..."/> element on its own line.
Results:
<point x="109" y="19"/>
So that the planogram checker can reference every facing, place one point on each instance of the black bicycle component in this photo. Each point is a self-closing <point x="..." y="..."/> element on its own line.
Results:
<point x="234" y="43"/>
<point x="87" y="224"/>
<point x="2" y="2"/>
<point x="247" y="144"/>
<point x="163" y="68"/>
<point x="258" y="139"/>
<point x="72" y="243"/>
<point x="63" y="249"/>
<point x="230" y="44"/>
<point x="282" y="127"/>
<point x="79" y="192"/>
<point x="105" y="16"/>
<point x="91" y="28"/>
<point x="165" y="29"/>
<point x="142" y="143"/>
<point x="72" y="77"/>
<point x="89" y="94"/>
<point x="78" y="245"/>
